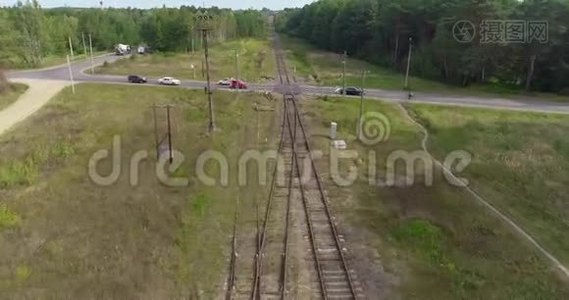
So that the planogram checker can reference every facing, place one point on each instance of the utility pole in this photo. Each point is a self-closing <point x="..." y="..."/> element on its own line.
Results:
<point x="91" y="47"/>
<point x="237" y="64"/>
<point x="169" y="134"/>
<point x="84" y="45"/>
<point x="71" y="47"/>
<point x="204" y="19"/>
<point x="344" y="73"/>
<point x="193" y="42"/>
<point x="161" y="138"/>
<point x="408" y="63"/>
<point x="70" y="74"/>
<point x="156" y="137"/>
<point x="359" y="129"/>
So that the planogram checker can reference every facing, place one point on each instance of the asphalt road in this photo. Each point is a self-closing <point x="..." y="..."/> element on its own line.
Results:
<point x="80" y="73"/>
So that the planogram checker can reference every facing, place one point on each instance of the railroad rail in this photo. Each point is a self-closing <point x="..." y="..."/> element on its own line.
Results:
<point x="331" y="271"/>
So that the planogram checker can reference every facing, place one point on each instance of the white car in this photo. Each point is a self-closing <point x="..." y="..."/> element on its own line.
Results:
<point x="224" y="82"/>
<point x="169" y="81"/>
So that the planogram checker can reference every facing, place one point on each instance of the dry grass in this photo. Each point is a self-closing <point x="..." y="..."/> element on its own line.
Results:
<point x="520" y="163"/>
<point x="11" y="93"/>
<point x="436" y="242"/>
<point x="71" y="238"/>
<point x="256" y="62"/>
<point x="3" y="82"/>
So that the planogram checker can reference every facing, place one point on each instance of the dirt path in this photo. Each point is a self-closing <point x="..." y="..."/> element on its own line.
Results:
<point x="37" y="95"/>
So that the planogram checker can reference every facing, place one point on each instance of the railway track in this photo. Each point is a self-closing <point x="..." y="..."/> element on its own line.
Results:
<point x="303" y="187"/>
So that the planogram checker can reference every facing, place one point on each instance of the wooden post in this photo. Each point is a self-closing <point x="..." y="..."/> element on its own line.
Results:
<point x="156" y="138"/>
<point x="170" y="149"/>
<point x="91" y="47"/>
<point x="209" y="93"/>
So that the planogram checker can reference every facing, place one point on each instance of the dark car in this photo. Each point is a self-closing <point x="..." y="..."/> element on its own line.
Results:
<point x="351" y="91"/>
<point x="136" y="79"/>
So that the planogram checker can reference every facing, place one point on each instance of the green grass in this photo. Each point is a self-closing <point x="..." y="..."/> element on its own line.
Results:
<point x="11" y="95"/>
<point x="320" y="67"/>
<point x="8" y="219"/>
<point x="77" y="239"/>
<point x="520" y="162"/>
<point x="222" y="62"/>
<point x="23" y="272"/>
<point x="53" y="60"/>
<point x="436" y="242"/>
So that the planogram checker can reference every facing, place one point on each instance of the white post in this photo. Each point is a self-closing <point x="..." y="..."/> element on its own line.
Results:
<point x="84" y="44"/>
<point x="70" y="75"/>
<point x="408" y="63"/>
<point x="71" y="47"/>
<point x="344" y="73"/>
<point x="359" y="129"/>
<point x="91" y="48"/>
<point x="333" y="128"/>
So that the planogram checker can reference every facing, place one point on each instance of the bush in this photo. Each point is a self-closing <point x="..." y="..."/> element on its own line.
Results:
<point x="564" y="92"/>
<point x="8" y="219"/>
<point x="4" y="86"/>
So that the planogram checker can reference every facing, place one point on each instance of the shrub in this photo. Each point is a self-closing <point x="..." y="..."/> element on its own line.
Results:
<point x="8" y="219"/>
<point x="4" y="86"/>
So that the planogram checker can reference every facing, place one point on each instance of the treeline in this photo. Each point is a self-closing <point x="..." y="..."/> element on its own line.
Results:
<point x="379" y="31"/>
<point x="29" y="33"/>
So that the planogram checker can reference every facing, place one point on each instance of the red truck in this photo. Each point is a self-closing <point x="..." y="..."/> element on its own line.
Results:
<point x="238" y="84"/>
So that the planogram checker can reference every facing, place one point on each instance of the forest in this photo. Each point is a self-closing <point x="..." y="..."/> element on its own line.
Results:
<point x="382" y="31"/>
<point x="29" y="33"/>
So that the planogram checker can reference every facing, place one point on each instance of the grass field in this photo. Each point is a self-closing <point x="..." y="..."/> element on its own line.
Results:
<point x="436" y="242"/>
<point x="10" y="96"/>
<point x="319" y="67"/>
<point x="520" y="163"/>
<point x="222" y="62"/>
<point x="53" y="60"/>
<point x="64" y="237"/>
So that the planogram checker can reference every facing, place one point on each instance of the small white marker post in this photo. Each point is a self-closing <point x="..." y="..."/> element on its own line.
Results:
<point x="71" y="48"/>
<point x="70" y="74"/>
<point x="333" y="127"/>
<point x="91" y="49"/>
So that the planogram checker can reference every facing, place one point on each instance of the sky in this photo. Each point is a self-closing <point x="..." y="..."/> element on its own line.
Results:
<point x="235" y="4"/>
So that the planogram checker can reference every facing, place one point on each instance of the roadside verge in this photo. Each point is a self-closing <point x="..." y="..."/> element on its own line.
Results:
<point x="37" y="95"/>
